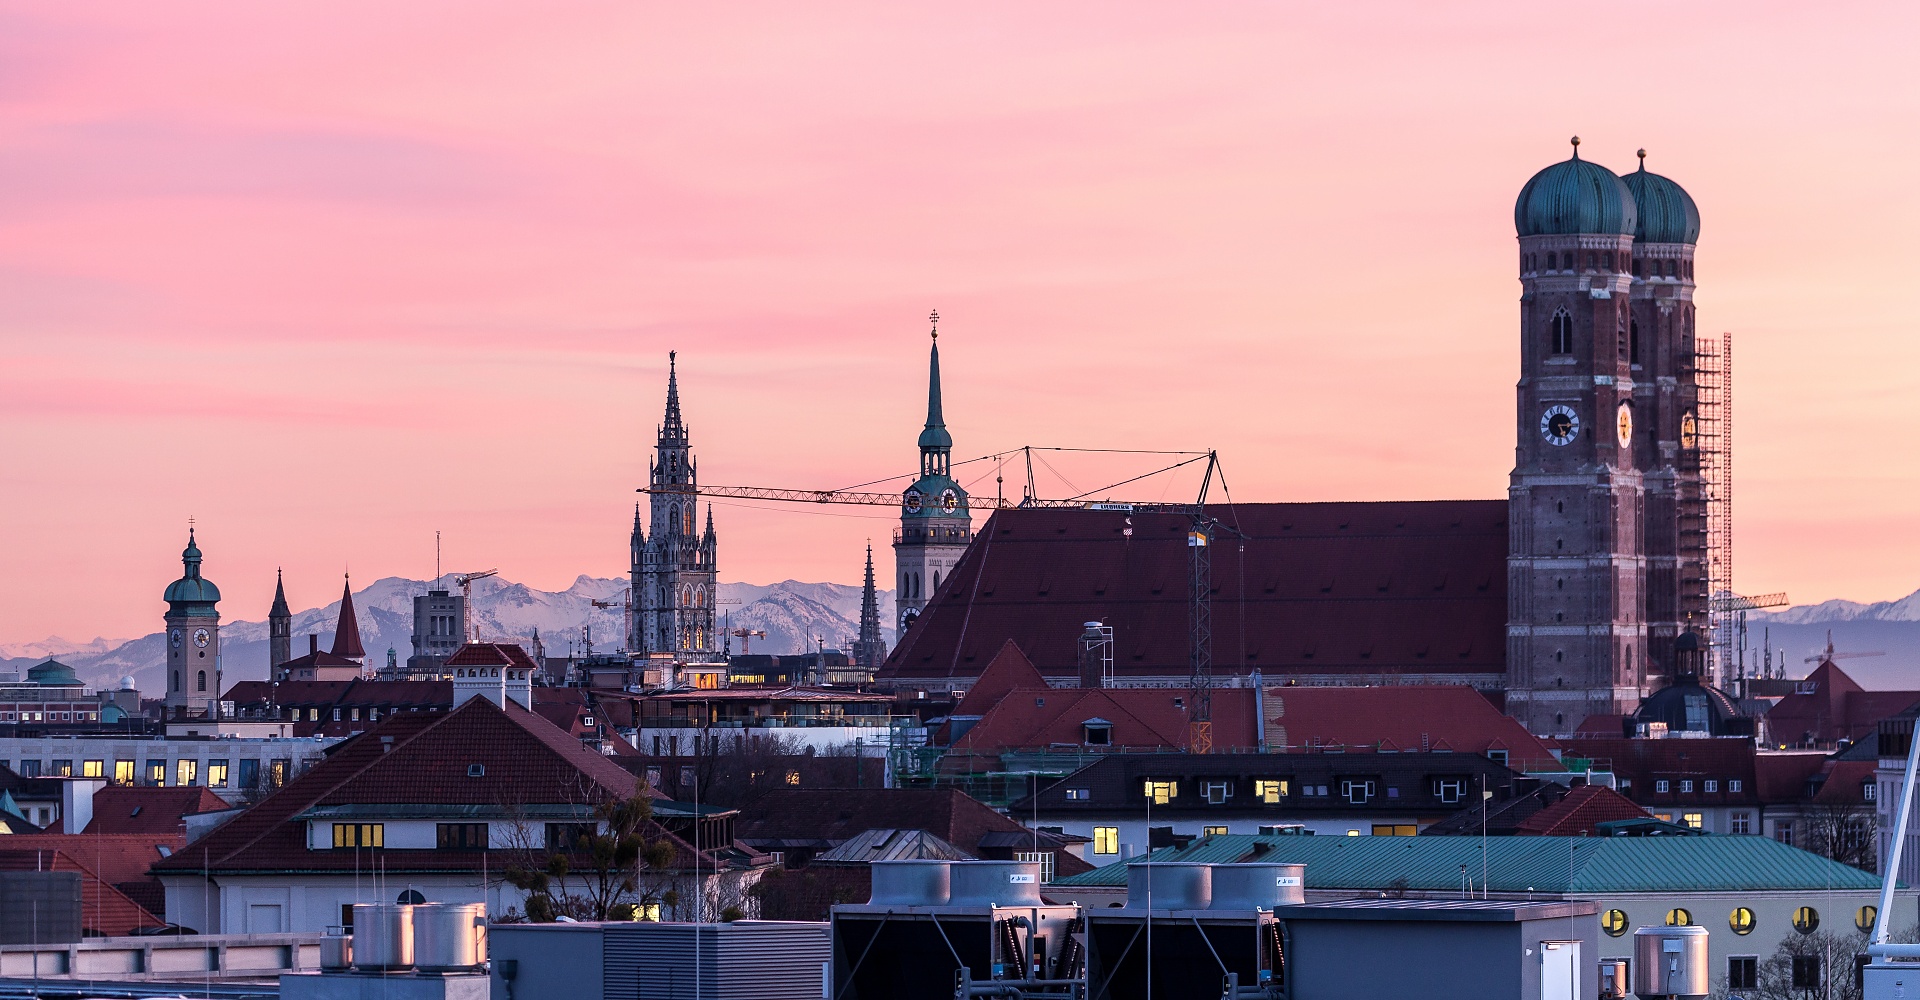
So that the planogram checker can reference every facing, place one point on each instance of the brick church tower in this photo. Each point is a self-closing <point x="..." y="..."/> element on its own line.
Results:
<point x="1607" y="556"/>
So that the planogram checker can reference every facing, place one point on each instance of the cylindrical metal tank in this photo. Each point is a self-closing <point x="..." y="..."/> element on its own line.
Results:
<point x="336" y="950"/>
<point x="1259" y="886"/>
<point x="382" y="936"/>
<point x="1670" y="962"/>
<point x="449" y="936"/>
<point x="911" y="883"/>
<point x="1613" y="979"/>
<point x="1169" y="885"/>
<point x="995" y="883"/>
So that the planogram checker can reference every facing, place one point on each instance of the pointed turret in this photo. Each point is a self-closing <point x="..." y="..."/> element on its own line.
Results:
<point x="673" y="426"/>
<point x="346" y="632"/>
<point x="871" y="649"/>
<point x="935" y="437"/>
<point x="279" y="626"/>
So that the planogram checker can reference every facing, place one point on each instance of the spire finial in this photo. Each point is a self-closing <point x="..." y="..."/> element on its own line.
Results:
<point x="1576" y="147"/>
<point x="1643" y="160"/>
<point x="934" y="317"/>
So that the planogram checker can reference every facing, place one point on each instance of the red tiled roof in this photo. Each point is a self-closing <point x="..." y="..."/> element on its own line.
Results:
<point x="104" y="910"/>
<point x="1402" y="718"/>
<point x="346" y="632"/>
<point x="1329" y="588"/>
<point x="1580" y="812"/>
<point x="418" y="758"/>
<point x="1782" y="777"/>
<point x="1846" y="783"/>
<point x="491" y="654"/>
<point x="1644" y="763"/>
<point x="114" y="857"/>
<point x="147" y="810"/>
<point x="1009" y="669"/>
<point x="1829" y="706"/>
<point x="1141" y="718"/>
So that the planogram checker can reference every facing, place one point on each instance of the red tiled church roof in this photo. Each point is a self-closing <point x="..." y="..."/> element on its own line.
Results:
<point x="346" y="632"/>
<point x="1326" y="588"/>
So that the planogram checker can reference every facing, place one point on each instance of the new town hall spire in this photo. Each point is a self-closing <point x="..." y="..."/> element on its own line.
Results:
<point x="673" y="571"/>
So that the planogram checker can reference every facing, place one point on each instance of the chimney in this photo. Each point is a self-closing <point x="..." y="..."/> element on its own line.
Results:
<point x="1096" y="655"/>
<point x="76" y="802"/>
<point x="313" y="643"/>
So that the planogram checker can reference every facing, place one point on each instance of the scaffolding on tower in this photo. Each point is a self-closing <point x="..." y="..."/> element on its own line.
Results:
<point x="1713" y="374"/>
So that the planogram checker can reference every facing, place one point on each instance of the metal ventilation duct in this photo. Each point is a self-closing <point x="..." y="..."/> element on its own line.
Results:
<point x="1169" y="885"/>
<point x="911" y="883"/>
<point x="995" y="883"/>
<point x="1258" y="886"/>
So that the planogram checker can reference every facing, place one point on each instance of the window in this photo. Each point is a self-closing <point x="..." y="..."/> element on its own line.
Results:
<point x="1358" y="791"/>
<point x="1806" y="972"/>
<point x="1098" y="733"/>
<point x="1783" y="832"/>
<point x="1743" y="972"/>
<point x="1678" y="917"/>
<point x="359" y="834"/>
<point x="1740" y="921"/>
<point x="1450" y="790"/>
<point x="1497" y="756"/>
<point x="279" y="771"/>
<point x="1079" y="794"/>
<point x="1863" y="918"/>
<point x="124" y="771"/>
<point x="1270" y="790"/>
<point x="185" y="771"/>
<point x="30" y="769"/>
<point x="687" y="775"/>
<point x="1216" y="792"/>
<point x="336" y="715"/>
<point x="1710" y="786"/>
<point x="460" y="836"/>
<point x="1562" y="333"/>
<point x="1806" y="920"/>
<point x="203" y="681"/>
<point x="1553" y="261"/>
<point x="569" y="836"/>
<point x="1633" y="341"/>
<point x="216" y="774"/>
<point x="1693" y="821"/>
<point x="1213" y="831"/>
<point x="63" y="769"/>
<point x="156" y="772"/>
<point x="1686" y="786"/>
<point x="1162" y="792"/>
<point x="1394" y="830"/>
<point x="1614" y="922"/>
<point x="1868" y="791"/>
<point x="1662" y="786"/>
<point x="1106" y="840"/>
<point x="1042" y="858"/>
<point x="793" y="778"/>
<point x="249" y="773"/>
<point x="1740" y="823"/>
<point x="93" y="769"/>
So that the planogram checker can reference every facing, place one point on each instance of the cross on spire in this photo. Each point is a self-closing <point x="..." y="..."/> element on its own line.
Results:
<point x="935" y="318"/>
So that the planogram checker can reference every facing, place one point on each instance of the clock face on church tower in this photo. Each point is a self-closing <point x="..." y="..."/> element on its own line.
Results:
<point x="1625" y="424"/>
<point x="174" y="638"/>
<point x="201" y="637"/>
<point x="1559" y="425"/>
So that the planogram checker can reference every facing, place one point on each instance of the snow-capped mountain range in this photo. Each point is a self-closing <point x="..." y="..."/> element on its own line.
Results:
<point x="791" y="613"/>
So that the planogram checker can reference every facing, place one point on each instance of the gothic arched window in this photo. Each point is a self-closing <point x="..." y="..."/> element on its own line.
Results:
<point x="688" y="522"/>
<point x="673" y="514"/>
<point x="1562" y="333"/>
<point x="1633" y="341"/>
<point x="203" y="680"/>
<point x="1553" y="261"/>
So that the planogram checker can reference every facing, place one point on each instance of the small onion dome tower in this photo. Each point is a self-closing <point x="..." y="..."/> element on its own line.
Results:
<point x="1687" y="705"/>
<point x="193" y="636"/>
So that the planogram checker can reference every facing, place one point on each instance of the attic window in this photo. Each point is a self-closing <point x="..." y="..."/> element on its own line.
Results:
<point x="476" y="770"/>
<point x="1097" y="732"/>
<point x="1039" y="702"/>
<point x="136" y="811"/>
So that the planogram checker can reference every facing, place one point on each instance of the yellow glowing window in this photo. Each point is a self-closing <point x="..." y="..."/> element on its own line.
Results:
<point x="1806" y="920"/>
<point x="1678" y="917"/>
<point x="1614" y="922"/>
<point x="1270" y="791"/>
<point x="1162" y="792"/>
<point x="123" y="771"/>
<point x="1693" y="820"/>
<point x="793" y="778"/>
<point x="1741" y="921"/>
<point x="1394" y="830"/>
<point x="1106" y="840"/>
<point x="1213" y="831"/>
<point x="359" y="834"/>
<point x="1863" y="918"/>
<point x="93" y="769"/>
<point x="185" y="772"/>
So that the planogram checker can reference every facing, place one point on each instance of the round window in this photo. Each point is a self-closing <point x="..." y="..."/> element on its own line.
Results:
<point x="1741" y="920"/>
<point x="1678" y="917"/>
<point x="1806" y="920"/>
<point x="1864" y="917"/>
<point x="411" y="897"/>
<point x="1614" y="922"/>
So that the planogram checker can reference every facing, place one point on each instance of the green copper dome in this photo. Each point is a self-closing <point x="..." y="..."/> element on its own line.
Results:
<point x="1572" y="197"/>
<point x="1666" y="212"/>
<point x="191" y="588"/>
<point x="53" y="673"/>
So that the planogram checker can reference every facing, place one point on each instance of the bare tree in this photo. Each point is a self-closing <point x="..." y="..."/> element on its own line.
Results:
<point x="1844" y="833"/>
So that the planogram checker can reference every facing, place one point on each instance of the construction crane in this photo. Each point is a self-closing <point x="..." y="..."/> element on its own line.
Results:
<point x="626" y="605"/>
<point x="465" y="581"/>
<point x="1831" y="655"/>
<point x="1201" y="528"/>
<point x="1730" y="611"/>
<point x="746" y="637"/>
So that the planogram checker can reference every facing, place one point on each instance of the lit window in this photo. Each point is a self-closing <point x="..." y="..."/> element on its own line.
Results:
<point x="1614" y="922"/>
<point x="359" y="834"/>
<point x="1741" y="921"/>
<point x="185" y="772"/>
<point x="1692" y="821"/>
<point x="1269" y="790"/>
<point x="1678" y="917"/>
<point x="1863" y="918"/>
<point x="1162" y="792"/>
<point x="93" y="769"/>
<point x="793" y="778"/>
<point x="156" y="772"/>
<point x="216" y="774"/>
<point x="1394" y="830"/>
<point x="1079" y="794"/>
<point x="124" y="771"/>
<point x="63" y="769"/>
<point x="1213" y="831"/>
<point x="1806" y="920"/>
<point x="1106" y="840"/>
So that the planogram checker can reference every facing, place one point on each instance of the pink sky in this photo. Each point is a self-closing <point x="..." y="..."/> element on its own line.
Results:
<point x="331" y="276"/>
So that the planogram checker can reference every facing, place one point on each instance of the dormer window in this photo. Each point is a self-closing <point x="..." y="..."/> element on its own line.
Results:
<point x="1097" y="733"/>
<point x="1216" y="792"/>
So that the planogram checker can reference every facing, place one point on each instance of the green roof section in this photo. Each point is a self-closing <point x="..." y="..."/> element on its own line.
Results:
<point x="1576" y="865"/>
